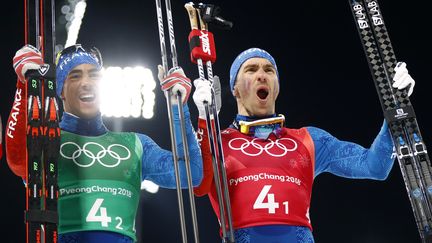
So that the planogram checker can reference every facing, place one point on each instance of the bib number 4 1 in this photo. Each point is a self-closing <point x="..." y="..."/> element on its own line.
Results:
<point x="266" y="200"/>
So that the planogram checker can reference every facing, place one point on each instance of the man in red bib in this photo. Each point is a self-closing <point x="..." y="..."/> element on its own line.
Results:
<point x="270" y="169"/>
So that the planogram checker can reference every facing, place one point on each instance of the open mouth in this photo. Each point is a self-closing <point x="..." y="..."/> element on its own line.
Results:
<point x="262" y="93"/>
<point x="90" y="97"/>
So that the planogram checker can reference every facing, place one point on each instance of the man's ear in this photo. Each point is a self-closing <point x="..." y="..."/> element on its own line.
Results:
<point x="235" y="92"/>
<point x="62" y="95"/>
<point x="278" y="88"/>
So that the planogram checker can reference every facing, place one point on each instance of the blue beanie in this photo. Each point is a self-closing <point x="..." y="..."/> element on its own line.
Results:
<point x="69" y="60"/>
<point x="243" y="57"/>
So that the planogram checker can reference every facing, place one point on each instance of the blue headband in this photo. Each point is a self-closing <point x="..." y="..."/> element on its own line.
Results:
<point x="243" y="57"/>
<point x="69" y="60"/>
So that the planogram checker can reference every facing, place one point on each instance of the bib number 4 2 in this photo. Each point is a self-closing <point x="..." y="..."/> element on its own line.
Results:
<point x="98" y="213"/>
<point x="266" y="200"/>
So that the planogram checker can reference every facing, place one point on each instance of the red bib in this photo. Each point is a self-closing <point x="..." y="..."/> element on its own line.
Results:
<point x="270" y="181"/>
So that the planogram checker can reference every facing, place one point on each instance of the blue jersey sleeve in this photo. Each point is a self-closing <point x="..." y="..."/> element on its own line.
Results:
<point x="350" y="160"/>
<point x="157" y="163"/>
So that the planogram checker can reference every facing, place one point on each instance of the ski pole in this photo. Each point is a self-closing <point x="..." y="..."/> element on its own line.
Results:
<point x="211" y="110"/>
<point x="182" y="123"/>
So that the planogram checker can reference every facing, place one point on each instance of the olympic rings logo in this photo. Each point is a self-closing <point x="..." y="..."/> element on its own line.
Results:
<point x="253" y="146"/>
<point x="92" y="157"/>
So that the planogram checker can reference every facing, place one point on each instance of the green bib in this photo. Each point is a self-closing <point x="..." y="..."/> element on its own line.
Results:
<point x="99" y="182"/>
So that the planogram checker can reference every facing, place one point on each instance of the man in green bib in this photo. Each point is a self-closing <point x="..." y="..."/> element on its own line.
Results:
<point x="99" y="171"/>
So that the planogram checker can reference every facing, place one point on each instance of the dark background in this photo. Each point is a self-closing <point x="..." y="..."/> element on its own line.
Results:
<point x="325" y="82"/>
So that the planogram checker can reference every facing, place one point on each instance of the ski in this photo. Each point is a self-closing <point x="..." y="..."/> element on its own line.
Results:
<point x="43" y="132"/>
<point x="51" y="129"/>
<point x="398" y="111"/>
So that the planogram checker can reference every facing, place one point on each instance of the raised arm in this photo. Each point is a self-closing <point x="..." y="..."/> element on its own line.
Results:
<point x="26" y="58"/>
<point x="157" y="163"/>
<point x="350" y="160"/>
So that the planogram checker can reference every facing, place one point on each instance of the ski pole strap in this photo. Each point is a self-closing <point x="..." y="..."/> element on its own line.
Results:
<point x="202" y="46"/>
<point x="211" y="14"/>
<point x="41" y="216"/>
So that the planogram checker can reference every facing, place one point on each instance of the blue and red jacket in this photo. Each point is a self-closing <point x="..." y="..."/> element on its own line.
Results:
<point x="270" y="181"/>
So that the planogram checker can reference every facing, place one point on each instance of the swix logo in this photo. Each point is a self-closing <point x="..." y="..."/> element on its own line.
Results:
<point x="14" y="113"/>
<point x="205" y="43"/>
<point x="44" y="69"/>
<point x="361" y="17"/>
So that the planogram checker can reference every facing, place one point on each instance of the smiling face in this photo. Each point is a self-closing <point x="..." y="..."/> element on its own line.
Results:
<point x="256" y="88"/>
<point x="80" y="91"/>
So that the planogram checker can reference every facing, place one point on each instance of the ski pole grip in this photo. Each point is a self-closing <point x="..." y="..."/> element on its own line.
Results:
<point x="192" y="15"/>
<point x="202" y="46"/>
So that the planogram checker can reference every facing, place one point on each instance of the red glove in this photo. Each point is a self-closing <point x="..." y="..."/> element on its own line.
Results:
<point x="26" y="58"/>
<point x="176" y="81"/>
